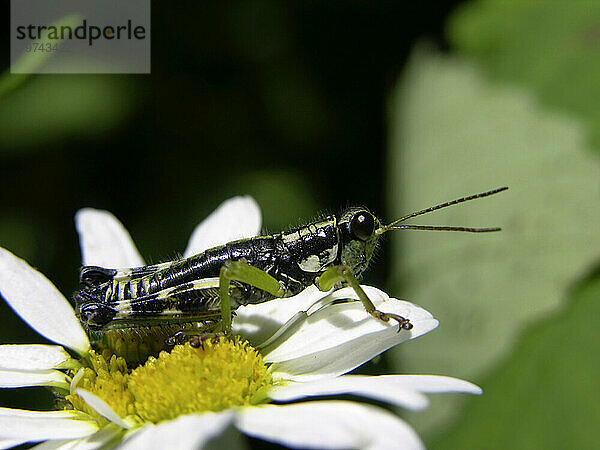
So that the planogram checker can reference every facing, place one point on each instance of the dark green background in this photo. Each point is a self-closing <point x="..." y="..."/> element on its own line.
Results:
<point x="288" y="102"/>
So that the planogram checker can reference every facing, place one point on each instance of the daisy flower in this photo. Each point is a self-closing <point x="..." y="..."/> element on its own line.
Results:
<point x="289" y="350"/>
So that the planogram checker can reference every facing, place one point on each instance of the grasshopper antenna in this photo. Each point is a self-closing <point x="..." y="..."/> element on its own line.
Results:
<point x="395" y="225"/>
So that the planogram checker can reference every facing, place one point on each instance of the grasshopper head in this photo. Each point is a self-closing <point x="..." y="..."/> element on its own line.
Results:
<point x="358" y="231"/>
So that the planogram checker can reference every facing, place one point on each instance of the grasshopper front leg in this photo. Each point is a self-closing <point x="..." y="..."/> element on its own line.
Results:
<point x="336" y="274"/>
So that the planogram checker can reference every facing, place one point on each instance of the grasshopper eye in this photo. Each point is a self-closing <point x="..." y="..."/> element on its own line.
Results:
<point x="362" y="225"/>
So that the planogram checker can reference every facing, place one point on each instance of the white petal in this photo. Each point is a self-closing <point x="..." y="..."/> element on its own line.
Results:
<point x="58" y="414"/>
<point x="101" y="407"/>
<point x="185" y="432"/>
<point x="32" y="357"/>
<point x="10" y="443"/>
<point x="236" y="218"/>
<point x="58" y="444"/>
<point x="75" y="380"/>
<point x="332" y="424"/>
<point x="257" y="323"/>
<point x="340" y="337"/>
<point x="344" y="321"/>
<point x="16" y="379"/>
<point x="39" y="303"/>
<point x="436" y="384"/>
<point x="100" y="439"/>
<point x="42" y="425"/>
<point x="104" y="241"/>
<point x="382" y="388"/>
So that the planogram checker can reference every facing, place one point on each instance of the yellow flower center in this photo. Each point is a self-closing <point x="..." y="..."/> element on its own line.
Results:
<point x="108" y="380"/>
<point x="217" y="376"/>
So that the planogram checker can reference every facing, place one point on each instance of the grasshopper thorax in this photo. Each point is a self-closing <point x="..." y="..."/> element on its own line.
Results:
<point x="358" y="238"/>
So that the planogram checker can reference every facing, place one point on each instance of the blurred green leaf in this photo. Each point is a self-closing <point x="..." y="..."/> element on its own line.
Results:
<point x="53" y="107"/>
<point x="546" y="395"/>
<point x="285" y="198"/>
<point x="453" y="134"/>
<point x="32" y="61"/>
<point x="552" y="48"/>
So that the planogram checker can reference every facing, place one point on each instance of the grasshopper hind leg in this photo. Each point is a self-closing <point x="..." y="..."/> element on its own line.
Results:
<point x="231" y="271"/>
<point x="242" y="272"/>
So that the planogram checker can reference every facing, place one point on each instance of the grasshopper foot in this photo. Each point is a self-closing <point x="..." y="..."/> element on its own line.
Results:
<point x="195" y="339"/>
<point x="403" y="323"/>
<point x="199" y="340"/>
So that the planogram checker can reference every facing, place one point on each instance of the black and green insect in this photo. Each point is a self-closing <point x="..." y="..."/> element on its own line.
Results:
<point x="205" y="289"/>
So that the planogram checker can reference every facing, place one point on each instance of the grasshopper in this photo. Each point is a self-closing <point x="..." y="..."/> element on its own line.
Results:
<point x="207" y="288"/>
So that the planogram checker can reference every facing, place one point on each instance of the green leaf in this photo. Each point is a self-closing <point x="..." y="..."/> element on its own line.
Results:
<point x="453" y="133"/>
<point x="546" y="395"/>
<point x="50" y="108"/>
<point x="548" y="47"/>
<point x="31" y="62"/>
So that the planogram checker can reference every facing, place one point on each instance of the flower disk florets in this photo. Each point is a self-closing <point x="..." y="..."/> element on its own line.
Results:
<point x="108" y="379"/>
<point x="224" y="374"/>
<point x="214" y="377"/>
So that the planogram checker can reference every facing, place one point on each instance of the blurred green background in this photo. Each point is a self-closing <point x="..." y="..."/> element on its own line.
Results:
<point x="312" y="106"/>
